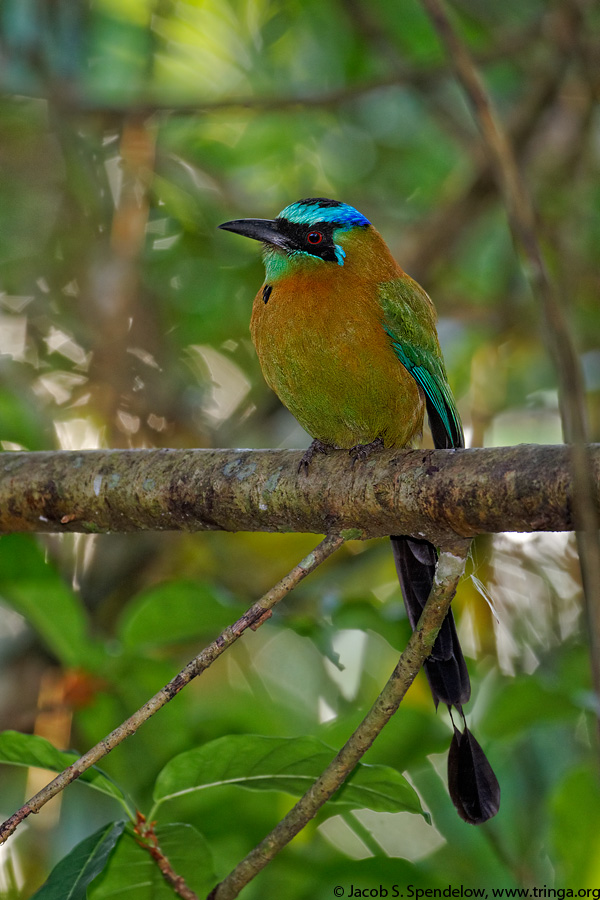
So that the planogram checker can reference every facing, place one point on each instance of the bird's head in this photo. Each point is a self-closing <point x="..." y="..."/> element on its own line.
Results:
<point x="307" y="233"/>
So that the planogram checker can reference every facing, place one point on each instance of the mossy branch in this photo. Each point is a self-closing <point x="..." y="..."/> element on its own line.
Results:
<point x="438" y="494"/>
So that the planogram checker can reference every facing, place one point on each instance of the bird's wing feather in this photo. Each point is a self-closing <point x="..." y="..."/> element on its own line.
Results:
<point x="409" y="319"/>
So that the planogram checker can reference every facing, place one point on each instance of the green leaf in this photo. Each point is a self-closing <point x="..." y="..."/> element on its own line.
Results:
<point x="35" y="589"/>
<point x="523" y="702"/>
<point x="576" y="827"/>
<point x="30" y="750"/>
<point x="174" y="611"/>
<point x="260" y="763"/>
<point x="132" y="874"/>
<point x="71" y="877"/>
<point x="19" y="422"/>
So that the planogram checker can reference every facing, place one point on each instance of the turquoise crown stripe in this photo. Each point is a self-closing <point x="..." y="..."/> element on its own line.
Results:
<point x="309" y="214"/>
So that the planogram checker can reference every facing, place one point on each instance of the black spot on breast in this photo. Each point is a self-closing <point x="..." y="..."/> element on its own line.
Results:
<point x="267" y="292"/>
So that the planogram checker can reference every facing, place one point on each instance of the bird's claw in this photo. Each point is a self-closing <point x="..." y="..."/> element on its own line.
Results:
<point x="315" y="447"/>
<point x="363" y="451"/>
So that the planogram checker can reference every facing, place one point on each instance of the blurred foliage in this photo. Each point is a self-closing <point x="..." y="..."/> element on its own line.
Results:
<point x="128" y="130"/>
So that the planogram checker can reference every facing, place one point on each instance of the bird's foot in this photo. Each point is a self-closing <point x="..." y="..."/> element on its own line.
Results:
<point x="316" y="447"/>
<point x="363" y="451"/>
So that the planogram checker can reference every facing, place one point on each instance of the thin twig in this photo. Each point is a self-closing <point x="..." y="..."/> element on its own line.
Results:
<point x="434" y="238"/>
<point x="522" y="221"/>
<point x="253" y="618"/>
<point x="448" y="573"/>
<point x="147" y="838"/>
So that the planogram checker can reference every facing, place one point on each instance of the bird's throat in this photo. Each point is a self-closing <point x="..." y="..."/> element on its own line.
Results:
<point x="279" y="264"/>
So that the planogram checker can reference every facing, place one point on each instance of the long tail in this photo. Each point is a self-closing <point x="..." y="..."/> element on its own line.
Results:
<point x="473" y="787"/>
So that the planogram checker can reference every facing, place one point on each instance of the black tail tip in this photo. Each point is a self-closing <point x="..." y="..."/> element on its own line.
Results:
<point x="472" y="784"/>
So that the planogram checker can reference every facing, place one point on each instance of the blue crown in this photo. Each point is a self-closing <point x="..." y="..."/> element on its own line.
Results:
<point x="319" y="209"/>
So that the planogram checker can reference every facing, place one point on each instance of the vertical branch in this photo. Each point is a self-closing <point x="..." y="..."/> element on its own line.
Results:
<point x="115" y="310"/>
<point x="522" y="221"/>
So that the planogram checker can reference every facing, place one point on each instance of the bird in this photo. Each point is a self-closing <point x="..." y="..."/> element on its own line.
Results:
<point x="348" y="342"/>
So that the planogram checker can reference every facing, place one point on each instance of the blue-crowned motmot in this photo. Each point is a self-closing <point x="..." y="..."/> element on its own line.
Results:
<point x="348" y="342"/>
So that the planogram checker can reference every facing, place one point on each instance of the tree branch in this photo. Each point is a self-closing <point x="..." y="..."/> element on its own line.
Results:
<point x="433" y="493"/>
<point x="253" y="618"/>
<point x="561" y="348"/>
<point x="448" y="573"/>
<point x="71" y="98"/>
<point x="147" y="839"/>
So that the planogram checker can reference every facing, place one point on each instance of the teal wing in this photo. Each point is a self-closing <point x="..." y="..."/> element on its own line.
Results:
<point x="409" y="319"/>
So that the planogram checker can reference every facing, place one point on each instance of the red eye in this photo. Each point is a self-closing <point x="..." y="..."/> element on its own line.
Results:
<point x="314" y="237"/>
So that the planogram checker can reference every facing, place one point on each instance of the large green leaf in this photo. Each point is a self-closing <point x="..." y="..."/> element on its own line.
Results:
<point x="71" y="877"/>
<point x="523" y="702"/>
<point x="260" y="763"/>
<point x="575" y="827"/>
<point x="132" y="874"/>
<point x="19" y="422"/>
<point x="30" y="750"/>
<point x="35" y="589"/>
<point x="174" y="611"/>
